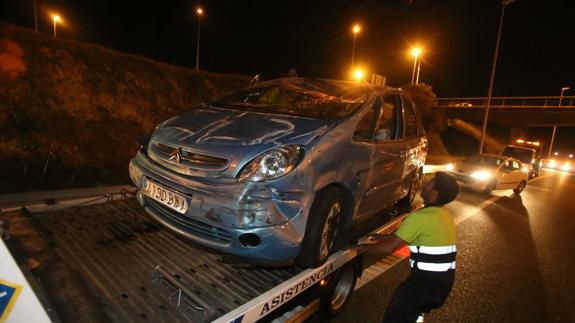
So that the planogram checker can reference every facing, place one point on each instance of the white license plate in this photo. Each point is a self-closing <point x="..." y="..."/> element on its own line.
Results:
<point x="166" y="196"/>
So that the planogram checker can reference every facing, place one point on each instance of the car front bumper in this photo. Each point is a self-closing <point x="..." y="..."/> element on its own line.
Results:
<point x="215" y="213"/>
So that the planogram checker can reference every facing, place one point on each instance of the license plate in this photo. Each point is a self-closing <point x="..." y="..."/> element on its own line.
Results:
<point x="166" y="196"/>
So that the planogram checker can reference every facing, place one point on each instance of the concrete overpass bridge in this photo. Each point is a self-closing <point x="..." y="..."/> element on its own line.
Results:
<point x="521" y="112"/>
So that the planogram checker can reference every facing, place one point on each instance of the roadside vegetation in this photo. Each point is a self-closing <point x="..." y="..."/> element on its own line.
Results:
<point x="70" y="112"/>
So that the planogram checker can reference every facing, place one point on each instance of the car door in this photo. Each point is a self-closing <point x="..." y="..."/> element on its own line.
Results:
<point x="511" y="174"/>
<point x="383" y="176"/>
<point x="413" y="151"/>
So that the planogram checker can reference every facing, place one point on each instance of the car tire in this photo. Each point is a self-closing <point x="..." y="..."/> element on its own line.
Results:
<point x="414" y="186"/>
<point x="338" y="292"/>
<point x="322" y="227"/>
<point x="490" y="187"/>
<point x="520" y="187"/>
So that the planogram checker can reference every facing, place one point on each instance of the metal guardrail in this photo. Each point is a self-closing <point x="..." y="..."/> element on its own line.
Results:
<point x="508" y="102"/>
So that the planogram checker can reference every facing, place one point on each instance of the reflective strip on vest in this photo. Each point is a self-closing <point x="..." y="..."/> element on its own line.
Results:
<point x="433" y="250"/>
<point x="430" y="254"/>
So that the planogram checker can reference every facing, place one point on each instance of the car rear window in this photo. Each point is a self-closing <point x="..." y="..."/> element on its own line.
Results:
<point x="523" y="154"/>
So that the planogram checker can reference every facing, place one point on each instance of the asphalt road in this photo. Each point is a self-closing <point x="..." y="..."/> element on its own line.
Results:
<point x="515" y="262"/>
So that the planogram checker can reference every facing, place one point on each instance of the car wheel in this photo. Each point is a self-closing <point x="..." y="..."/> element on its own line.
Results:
<point x="322" y="227"/>
<point x="520" y="187"/>
<point x="338" y="291"/>
<point x="413" y="188"/>
<point x="490" y="187"/>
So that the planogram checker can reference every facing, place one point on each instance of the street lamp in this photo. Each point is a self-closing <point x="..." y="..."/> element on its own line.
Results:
<point x="199" y="12"/>
<point x="563" y="89"/>
<point x="504" y="4"/>
<point x="356" y="29"/>
<point x="415" y="52"/>
<point x="358" y="74"/>
<point x="55" y="18"/>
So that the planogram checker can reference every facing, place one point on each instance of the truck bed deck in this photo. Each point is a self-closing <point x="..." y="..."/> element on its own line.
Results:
<point x="116" y="247"/>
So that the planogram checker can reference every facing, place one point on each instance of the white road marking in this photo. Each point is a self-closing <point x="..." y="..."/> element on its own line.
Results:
<point x="391" y="261"/>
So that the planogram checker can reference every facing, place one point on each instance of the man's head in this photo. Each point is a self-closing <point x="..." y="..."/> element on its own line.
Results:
<point x="442" y="189"/>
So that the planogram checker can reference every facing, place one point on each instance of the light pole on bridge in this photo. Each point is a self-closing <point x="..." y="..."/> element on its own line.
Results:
<point x="563" y="89"/>
<point x="486" y="113"/>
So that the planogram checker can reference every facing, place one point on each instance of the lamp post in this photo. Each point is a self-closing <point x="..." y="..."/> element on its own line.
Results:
<point x="415" y="52"/>
<point x="563" y="89"/>
<point x="356" y="29"/>
<point x="35" y="16"/>
<point x="199" y="12"/>
<point x="55" y="18"/>
<point x="504" y="4"/>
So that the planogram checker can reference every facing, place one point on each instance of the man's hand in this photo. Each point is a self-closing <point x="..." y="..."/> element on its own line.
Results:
<point x="384" y="244"/>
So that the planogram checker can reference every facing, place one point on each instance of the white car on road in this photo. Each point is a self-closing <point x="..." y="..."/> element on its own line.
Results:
<point x="486" y="173"/>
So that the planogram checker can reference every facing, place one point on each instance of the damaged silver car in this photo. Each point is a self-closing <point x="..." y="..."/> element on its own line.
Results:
<point x="273" y="172"/>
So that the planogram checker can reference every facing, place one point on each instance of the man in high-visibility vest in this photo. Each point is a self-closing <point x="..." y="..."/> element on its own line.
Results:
<point x="430" y="234"/>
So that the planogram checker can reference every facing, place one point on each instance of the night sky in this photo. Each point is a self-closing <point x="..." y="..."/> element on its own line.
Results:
<point x="536" y="57"/>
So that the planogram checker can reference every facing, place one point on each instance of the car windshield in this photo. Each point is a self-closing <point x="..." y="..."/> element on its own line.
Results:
<point x="481" y="160"/>
<point x="326" y="100"/>
<point x="523" y="154"/>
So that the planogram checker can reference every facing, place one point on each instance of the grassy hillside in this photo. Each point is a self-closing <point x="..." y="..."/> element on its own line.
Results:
<point x="79" y="108"/>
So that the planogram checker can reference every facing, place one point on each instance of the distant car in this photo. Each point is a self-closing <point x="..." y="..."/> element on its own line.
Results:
<point x="530" y="158"/>
<point x="273" y="172"/>
<point x="564" y="164"/>
<point x="486" y="173"/>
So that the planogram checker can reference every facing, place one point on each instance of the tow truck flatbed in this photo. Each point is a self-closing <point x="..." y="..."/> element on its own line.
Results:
<point x="138" y="271"/>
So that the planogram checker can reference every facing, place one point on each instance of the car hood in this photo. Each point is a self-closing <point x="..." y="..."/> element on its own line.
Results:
<point x="225" y="127"/>
<point x="468" y="169"/>
<point x="231" y="135"/>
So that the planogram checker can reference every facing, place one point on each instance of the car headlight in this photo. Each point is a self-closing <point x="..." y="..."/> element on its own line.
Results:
<point x="272" y="164"/>
<point x="552" y="163"/>
<point x="481" y="175"/>
<point x="525" y="169"/>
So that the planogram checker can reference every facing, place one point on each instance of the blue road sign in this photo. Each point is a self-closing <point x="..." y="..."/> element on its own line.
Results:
<point x="8" y="294"/>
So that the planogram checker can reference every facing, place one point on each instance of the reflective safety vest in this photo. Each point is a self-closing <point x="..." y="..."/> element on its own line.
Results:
<point x="438" y="259"/>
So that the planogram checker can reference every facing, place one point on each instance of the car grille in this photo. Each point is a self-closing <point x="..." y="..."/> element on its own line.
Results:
<point x="195" y="227"/>
<point x="194" y="160"/>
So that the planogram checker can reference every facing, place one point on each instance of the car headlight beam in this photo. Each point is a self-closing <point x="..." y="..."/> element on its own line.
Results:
<point x="272" y="164"/>
<point x="481" y="175"/>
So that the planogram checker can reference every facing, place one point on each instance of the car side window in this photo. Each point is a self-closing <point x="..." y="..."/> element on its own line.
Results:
<point x="366" y="127"/>
<point x="515" y="165"/>
<point x="387" y="123"/>
<point x="410" y="119"/>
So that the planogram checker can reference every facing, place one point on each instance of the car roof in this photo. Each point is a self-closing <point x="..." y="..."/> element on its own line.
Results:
<point x="336" y="88"/>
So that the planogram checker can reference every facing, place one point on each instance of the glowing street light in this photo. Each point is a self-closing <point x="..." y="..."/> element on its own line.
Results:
<point x="415" y="52"/>
<point x="356" y="29"/>
<point x="199" y="12"/>
<point x="55" y="19"/>
<point x="358" y="74"/>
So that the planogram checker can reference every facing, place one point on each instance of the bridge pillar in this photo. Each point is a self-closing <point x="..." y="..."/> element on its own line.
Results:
<point x="517" y="133"/>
